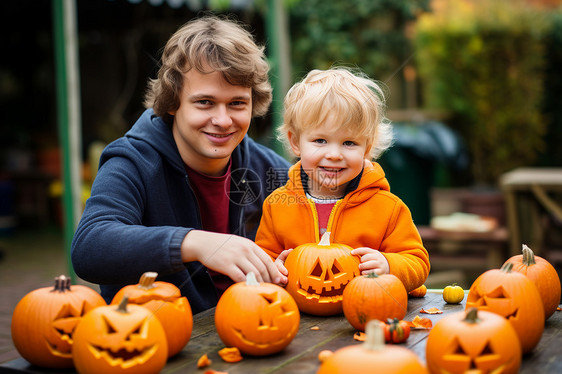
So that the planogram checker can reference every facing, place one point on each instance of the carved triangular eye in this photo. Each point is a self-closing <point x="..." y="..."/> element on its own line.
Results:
<point x="457" y="348"/>
<point x="336" y="268"/>
<point x="487" y="350"/>
<point x="109" y="328"/>
<point x="270" y="298"/>
<point x="317" y="271"/>
<point x="498" y="293"/>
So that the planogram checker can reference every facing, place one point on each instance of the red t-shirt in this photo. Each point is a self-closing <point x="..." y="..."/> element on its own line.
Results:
<point x="213" y="198"/>
<point x="323" y="209"/>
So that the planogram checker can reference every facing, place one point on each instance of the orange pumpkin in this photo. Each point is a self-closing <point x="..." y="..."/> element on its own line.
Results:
<point x="165" y="301"/>
<point x="373" y="296"/>
<point x="318" y="274"/>
<point x="542" y="274"/>
<point x="476" y="340"/>
<point x="119" y="339"/>
<point x="372" y="356"/>
<point x="44" y="320"/>
<point x="418" y="292"/>
<point x="513" y="296"/>
<point x="257" y="318"/>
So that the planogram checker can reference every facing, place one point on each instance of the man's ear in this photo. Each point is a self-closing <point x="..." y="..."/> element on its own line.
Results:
<point x="294" y="142"/>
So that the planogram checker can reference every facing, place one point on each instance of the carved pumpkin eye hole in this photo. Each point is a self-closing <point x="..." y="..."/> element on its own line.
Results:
<point x="498" y="293"/>
<point x="136" y="332"/>
<point x="459" y="350"/>
<point x="336" y="268"/>
<point x="269" y="298"/>
<point x="109" y="326"/>
<point x="317" y="271"/>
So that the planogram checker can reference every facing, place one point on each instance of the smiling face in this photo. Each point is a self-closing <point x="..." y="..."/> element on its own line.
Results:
<point x="259" y="319"/>
<point x="318" y="275"/>
<point x="513" y="296"/>
<point x="212" y="119"/>
<point x="110" y="340"/>
<point x="331" y="156"/>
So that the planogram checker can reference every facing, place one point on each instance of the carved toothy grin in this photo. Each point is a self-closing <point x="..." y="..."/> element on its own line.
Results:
<point x="330" y="295"/>
<point x="123" y="357"/>
<point x="281" y="340"/>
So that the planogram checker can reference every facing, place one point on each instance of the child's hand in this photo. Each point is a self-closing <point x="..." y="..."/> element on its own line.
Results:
<point x="280" y="263"/>
<point x="371" y="261"/>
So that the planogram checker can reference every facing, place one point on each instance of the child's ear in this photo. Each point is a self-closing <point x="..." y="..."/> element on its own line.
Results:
<point x="368" y="151"/>
<point x="294" y="142"/>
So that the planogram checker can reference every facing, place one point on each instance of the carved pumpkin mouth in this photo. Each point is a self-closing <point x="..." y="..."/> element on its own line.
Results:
<point x="123" y="357"/>
<point x="281" y="340"/>
<point x="64" y="351"/>
<point x="330" y="294"/>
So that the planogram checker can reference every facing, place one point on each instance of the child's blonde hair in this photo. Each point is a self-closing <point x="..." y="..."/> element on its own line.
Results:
<point x="349" y="97"/>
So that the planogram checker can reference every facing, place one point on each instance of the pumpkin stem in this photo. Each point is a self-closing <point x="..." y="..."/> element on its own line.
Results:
<point x="325" y="239"/>
<point x="62" y="284"/>
<point x="147" y="280"/>
<point x="507" y="267"/>
<point x="374" y="339"/>
<point x="251" y="279"/>
<point x="122" y="307"/>
<point x="528" y="256"/>
<point x="471" y="316"/>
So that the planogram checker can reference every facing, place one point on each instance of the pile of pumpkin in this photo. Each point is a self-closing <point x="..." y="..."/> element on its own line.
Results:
<point x="69" y="326"/>
<point x="506" y="308"/>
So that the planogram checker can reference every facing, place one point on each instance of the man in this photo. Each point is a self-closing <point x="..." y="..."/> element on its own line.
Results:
<point x="181" y="193"/>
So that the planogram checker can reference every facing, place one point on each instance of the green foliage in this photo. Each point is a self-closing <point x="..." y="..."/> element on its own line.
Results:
<point x="485" y="67"/>
<point x="366" y="33"/>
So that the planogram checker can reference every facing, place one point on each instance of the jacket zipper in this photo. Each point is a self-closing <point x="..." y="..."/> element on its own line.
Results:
<point x="330" y="218"/>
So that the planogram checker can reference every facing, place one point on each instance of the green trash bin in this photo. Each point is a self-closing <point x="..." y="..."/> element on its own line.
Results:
<point x="412" y="164"/>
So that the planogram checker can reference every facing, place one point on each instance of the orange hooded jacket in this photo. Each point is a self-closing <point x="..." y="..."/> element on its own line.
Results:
<point x="370" y="216"/>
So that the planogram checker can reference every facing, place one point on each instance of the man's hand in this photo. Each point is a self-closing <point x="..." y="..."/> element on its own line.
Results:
<point x="231" y="255"/>
<point x="371" y="261"/>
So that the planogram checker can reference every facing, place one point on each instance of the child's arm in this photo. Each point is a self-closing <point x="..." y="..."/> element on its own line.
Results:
<point x="371" y="261"/>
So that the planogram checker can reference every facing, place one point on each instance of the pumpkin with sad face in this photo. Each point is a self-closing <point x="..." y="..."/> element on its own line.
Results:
<point x="44" y="320"/>
<point x="120" y="339"/>
<point x="318" y="274"/>
<point x="257" y="318"/>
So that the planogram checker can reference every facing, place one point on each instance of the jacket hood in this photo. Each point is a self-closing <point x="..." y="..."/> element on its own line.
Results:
<point x="372" y="180"/>
<point x="152" y="130"/>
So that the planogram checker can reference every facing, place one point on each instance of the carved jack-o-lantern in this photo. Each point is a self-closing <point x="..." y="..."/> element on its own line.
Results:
<point x="44" y="320"/>
<point x="475" y="342"/>
<point x="318" y="274"/>
<point x="165" y="301"/>
<point x="513" y="296"/>
<point x="373" y="356"/>
<point x="119" y="339"/>
<point x="257" y="318"/>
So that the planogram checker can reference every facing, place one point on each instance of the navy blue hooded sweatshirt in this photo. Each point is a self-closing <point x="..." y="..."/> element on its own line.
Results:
<point x="142" y="206"/>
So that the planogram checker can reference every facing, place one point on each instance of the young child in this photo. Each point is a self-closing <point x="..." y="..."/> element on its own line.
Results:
<point x="334" y="121"/>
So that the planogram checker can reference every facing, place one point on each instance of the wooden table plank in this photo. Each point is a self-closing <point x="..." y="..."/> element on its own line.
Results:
<point x="301" y="356"/>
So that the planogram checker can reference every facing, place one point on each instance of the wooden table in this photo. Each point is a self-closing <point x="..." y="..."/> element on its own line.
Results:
<point x="301" y="356"/>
